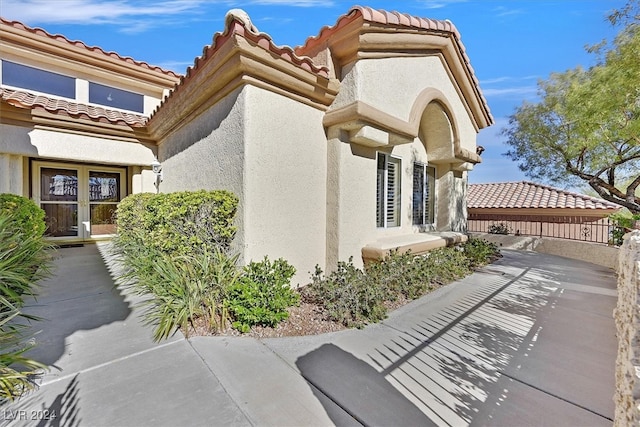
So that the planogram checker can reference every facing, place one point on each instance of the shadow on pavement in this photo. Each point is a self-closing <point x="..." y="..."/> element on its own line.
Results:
<point x="63" y="411"/>
<point x="357" y="388"/>
<point x="79" y="296"/>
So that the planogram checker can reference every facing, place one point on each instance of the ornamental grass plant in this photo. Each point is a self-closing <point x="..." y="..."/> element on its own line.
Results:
<point x="24" y="260"/>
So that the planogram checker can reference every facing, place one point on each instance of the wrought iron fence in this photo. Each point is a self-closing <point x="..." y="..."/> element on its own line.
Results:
<point x="573" y="228"/>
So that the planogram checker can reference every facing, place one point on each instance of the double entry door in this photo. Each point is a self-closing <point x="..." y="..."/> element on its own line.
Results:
<point x="79" y="201"/>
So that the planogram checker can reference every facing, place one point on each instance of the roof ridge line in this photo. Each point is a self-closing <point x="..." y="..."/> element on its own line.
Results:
<point x="112" y="54"/>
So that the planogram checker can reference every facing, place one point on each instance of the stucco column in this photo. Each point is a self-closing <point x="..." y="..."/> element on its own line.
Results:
<point x="11" y="174"/>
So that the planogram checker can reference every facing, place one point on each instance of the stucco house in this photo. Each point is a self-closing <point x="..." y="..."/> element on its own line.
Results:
<point x="357" y="141"/>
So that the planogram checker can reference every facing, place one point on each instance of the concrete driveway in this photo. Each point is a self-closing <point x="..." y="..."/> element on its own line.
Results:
<point x="529" y="340"/>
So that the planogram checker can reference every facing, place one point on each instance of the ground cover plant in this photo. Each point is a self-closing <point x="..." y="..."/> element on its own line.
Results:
<point x="355" y="297"/>
<point x="24" y="260"/>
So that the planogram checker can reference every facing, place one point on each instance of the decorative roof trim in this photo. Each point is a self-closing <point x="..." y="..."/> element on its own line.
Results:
<point x="62" y="39"/>
<point x="242" y="56"/>
<point x="377" y="16"/>
<point x="364" y="32"/>
<point x="26" y="100"/>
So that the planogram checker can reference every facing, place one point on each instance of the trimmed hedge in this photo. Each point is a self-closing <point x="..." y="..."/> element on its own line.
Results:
<point x="24" y="213"/>
<point x="178" y="223"/>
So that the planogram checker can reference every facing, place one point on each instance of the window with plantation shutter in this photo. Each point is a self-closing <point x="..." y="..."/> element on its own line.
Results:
<point x="423" y="191"/>
<point x="388" y="191"/>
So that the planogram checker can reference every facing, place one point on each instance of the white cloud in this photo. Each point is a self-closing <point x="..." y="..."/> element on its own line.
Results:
<point x="508" y="79"/>
<point x="511" y="91"/>
<point x="296" y="3"/>
<point x="438" y="4"/>
<point x="92" y="12"/>
<point x="502" y="11"/>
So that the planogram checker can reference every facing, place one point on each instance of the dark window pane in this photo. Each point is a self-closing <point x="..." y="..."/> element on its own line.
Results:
<point x="117" y="98"/>
<point x="61" y="220"/>
<point x="58" y="185"/>
<point x="35" y="79"/>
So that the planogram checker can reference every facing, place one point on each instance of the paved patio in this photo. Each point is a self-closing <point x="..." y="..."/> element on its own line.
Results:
<point x="529" y="340"/>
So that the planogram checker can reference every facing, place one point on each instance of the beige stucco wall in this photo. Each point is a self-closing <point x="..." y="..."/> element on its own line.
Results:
<point x="393" y="85"/>
<point x="285" y="177"/>
<point x="61" y="145"/>
<point x="208" y="153"/>
<point x="627" y="318"/>
<point x="271" y="152"/>
<point x="606" y="256"/>
<point x="18" y="144"/>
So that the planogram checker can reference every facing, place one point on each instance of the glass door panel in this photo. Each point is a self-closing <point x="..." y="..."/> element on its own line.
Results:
<point x="79" y="201"/>
<point x="104" y="195"/>
<point x="59" y="199"/>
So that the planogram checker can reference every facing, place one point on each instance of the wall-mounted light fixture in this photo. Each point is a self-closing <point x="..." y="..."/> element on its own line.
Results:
<point x="156" y="167"/>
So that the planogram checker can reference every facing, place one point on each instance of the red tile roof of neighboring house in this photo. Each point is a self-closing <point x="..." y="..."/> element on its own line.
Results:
<point x="61" y="38"/>
<point x="28" y="100"/>
<point x="527" y="195"/>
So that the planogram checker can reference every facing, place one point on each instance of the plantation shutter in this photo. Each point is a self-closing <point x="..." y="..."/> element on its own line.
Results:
<point x="419" y="191"/>
<point x="388" y="191"/>
<point x="380" y="193"/>
<point x="393" y="192"/>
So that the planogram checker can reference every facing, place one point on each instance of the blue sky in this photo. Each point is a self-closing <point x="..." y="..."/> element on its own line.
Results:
<point x="512" y="44"/>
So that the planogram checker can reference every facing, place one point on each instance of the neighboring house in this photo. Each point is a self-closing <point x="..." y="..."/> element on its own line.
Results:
<point x="353" y="143"/>
<point x="527" y="208"/>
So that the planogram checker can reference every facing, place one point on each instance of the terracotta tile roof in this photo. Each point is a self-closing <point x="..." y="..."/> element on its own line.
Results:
<point x="384" y="17"/>
<point x="63" y="39"/>
<point x="28" y="100"/>
<point x="236" y="25"/>
<point x="378" y="16"/>
<point x="527" y="195"/>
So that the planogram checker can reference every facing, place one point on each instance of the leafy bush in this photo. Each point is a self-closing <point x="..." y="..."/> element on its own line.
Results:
<point x="480" y="252"/>
<point x="24" y="260"/>
<point x="348" y="295"/>
<point x="25" y="214"/>
<point x="262" y="295"/>
<point x="622" y="222"/>
<point x="355" y="297"/>
<point x="177" y="223"/>
<point x="181" y="289"/>
<point x="499" y="228"/>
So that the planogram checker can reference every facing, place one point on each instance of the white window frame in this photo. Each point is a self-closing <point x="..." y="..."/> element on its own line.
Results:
<point x="426" y="198"/>
<point x="388" y="190"/>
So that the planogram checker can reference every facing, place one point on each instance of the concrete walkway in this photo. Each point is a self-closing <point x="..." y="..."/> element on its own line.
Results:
<point x="529" y="340"/>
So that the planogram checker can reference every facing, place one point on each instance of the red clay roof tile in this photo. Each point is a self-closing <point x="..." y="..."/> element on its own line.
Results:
<point x="527" y="195"/>
<point x="63" y="39"/>
<point x="28" y="100"/>
<point x="399" y="19"/>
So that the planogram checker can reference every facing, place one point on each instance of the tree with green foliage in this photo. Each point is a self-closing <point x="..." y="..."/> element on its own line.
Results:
<point x="586" y="126"/>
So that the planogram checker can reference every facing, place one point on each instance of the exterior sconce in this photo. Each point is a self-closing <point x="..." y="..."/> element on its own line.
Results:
<point x="156" y="167"/>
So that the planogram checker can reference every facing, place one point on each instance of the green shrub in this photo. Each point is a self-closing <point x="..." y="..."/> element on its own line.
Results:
<point x="480" y="252"/>
<point x="499" y="228"/>
<point x="25" y="214"/>
<point x="177" y="223"/>
<point x="262" y="295"/>
<point x="24" y="260"/>
<point x="354" y="297"/>
<point x="622" y="222"/>
<point x="181" y="289"/>
<point x="348" y="295"/>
